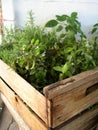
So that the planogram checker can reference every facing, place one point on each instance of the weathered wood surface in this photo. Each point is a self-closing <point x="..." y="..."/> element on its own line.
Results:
<point x="30" y="118"/>
<point x="68" y="84"/>
<point x="35" y="100"/>
<point x="15" y="115"/>
<point x="72" y="96"/>
<point x="62" y="101"/>
<point x="85" y="121"/>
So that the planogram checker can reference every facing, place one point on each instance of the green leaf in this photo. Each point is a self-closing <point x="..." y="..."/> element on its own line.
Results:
<point x="65" y="68"/>
<point x="51" y="23"/>
<point x="78" y="23"/>
<point x="94" y="30"/>
<point x="68" y="73"/>
<point x="58" y="68"/>
<point x="61" y="76"/>
<point x="68" y="27"/>
<point x="60" y="28"/>
<point x="32" y="41"/>
<point x="69" y="58"/>
<point x="61" y="18"/>
<point x="36" y="42"/>
<point x="69" y="49"/>
<point x="96" y="25"/>
<point x="88" y="57"/>
<point x="62" y="35"/>
<point x="74" y="15"/>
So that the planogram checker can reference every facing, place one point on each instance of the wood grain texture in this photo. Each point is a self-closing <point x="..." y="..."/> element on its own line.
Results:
<point x="30" y="118"/>
<point x="35" y="100"/>
<point x="62" y="101"/>
<point x="72" y="96"/>
<point x="73" y="82"/>
<point x="85" y="121"/>
<point x="15" y="115"/>
<point x="67" y="106"/>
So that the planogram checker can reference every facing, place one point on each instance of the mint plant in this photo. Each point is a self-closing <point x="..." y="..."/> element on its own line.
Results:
<point x="73" y="46"/>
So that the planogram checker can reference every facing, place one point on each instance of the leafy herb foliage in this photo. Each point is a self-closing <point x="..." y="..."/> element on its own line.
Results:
<point x="44" y="56"/>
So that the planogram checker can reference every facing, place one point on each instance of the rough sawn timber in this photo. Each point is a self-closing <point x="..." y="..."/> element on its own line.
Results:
<point x="84" y="121"/>
<point x="35" y="100"/>
<point x="72" y="96"/>
<point x="61" y="102"/>
<point x="29" y="117"/>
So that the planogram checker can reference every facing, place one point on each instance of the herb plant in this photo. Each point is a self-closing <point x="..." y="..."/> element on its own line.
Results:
<point x="94" y="33"/>
<point x="43" y="56"/>
<point x="74" y="49"/>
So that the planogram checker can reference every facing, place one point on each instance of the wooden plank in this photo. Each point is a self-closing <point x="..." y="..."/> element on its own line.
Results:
<point x="30" y="118"/>
<point x="35" y="100"/>
<point x="15" y="115"/>
<point x="73" y="96"/>
<point x="85" y="121"/>
<point x="68" y="84"/>
<point x="66" y="106"/>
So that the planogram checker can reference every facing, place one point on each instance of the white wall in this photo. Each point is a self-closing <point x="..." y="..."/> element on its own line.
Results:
<point x="44" y="10"/>
<point x="8" y="13"/>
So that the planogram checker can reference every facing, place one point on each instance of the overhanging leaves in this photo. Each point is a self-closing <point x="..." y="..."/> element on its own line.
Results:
<point x="74" y="15"/>
<point x="61" y="18"/>
<point x="51" y="23"/>
<point x="60" y="28"/>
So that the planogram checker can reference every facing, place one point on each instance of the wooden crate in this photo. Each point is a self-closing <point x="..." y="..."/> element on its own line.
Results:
<point x="63" y="106"/>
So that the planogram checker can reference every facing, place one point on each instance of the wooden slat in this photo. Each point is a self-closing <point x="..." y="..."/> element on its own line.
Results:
<point x="68" y="84"/>
<point x="73" y="96"/>
<point x="66" y="98"/>
<point x="30" y="118"/>
<point x="85" y="121"/>
<point x="15" y="115"/>
<point x="35" y="100"/>
<point x="67" y="106"/>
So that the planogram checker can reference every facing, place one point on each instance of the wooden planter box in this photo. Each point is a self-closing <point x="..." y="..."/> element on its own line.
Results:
<point x="64" y="105"/>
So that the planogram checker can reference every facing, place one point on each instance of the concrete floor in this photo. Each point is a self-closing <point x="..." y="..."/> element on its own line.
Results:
<point x="6" y="121"/>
